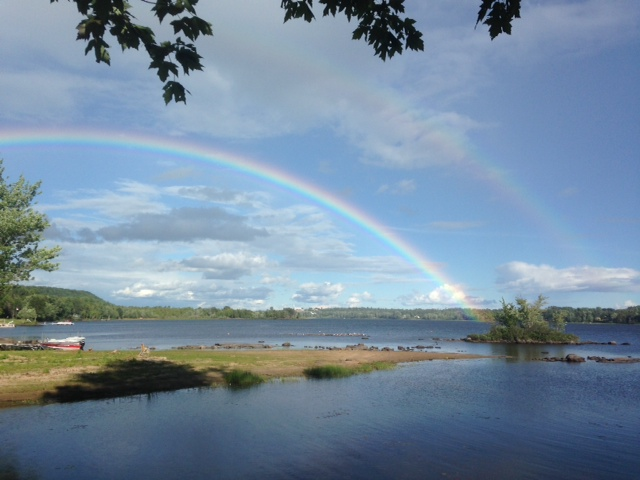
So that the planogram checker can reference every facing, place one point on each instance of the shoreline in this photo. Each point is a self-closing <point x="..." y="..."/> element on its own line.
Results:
<point x="41" y="377"/>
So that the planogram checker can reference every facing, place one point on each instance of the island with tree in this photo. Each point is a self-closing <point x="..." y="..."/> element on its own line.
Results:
<point x="524" y="322"/>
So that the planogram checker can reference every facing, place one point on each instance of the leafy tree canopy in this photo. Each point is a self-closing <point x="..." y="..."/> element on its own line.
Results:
<point x="381" y="23"/>
<point x="21" y="229"/>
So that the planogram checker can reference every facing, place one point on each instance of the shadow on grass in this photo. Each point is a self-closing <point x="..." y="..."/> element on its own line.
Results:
<point x="130" y="377"/>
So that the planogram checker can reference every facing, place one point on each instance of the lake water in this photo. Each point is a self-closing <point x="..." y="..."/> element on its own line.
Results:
<point x="467" y="419"/>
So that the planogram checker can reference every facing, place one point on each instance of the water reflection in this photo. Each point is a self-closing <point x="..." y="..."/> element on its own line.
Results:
<point x="524" y="352"/>
<point x="470" y="419"/>
<point x="10" y="467"/>
<point x="461" y="419"/>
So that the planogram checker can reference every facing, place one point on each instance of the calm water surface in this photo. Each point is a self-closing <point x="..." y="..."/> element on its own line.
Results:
<point x="467" y="419"/>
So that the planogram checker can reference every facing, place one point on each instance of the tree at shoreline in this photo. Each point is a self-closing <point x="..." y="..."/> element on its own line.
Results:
<point x="21" y="231"/>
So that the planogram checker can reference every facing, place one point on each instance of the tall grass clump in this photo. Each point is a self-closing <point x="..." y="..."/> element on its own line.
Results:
<point x="328" y="371"/>
<point x="242" y="379"/>
<point x="338" y="371"/>
<point x="375" y="366"/>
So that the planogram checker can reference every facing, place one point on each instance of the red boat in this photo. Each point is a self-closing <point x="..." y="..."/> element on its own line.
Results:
<point x="69" y="343"/>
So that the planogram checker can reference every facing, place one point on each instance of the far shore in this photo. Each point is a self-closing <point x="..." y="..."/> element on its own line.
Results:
<point x="40" y="377"/>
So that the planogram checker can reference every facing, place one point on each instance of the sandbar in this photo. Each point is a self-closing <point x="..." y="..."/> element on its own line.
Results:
<point x="93" y="375"/>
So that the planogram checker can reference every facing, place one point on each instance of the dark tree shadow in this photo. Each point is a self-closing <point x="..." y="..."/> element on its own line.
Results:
<point x="131" y="377"/>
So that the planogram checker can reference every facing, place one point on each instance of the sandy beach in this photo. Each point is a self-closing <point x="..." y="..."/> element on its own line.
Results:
<point x="30" y="378"/>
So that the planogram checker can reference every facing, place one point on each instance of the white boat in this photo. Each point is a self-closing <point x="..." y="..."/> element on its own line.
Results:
<point x="69" y="343"/>
<point x="7" y="324"/>
<point x="64" y="322"/>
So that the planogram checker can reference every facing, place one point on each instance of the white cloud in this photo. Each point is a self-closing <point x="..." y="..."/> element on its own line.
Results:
<point x="192" y="293"/>
<point x="526" y="278"/>
<point x="183" y="224"/>
<point x="127" y="199"/>
<point x="140" y="290"/>
<point x="356" y="299"/>
<point x="275" y="280"/>
<point x="225" y="265"/>
<point x="442" y="296"/>
<point x="319" y="293"/>
<point x="391" y="136"/>
<point x="402" y="187"/>
<point x="174" y="253"/>
<point x="219" y="195"/>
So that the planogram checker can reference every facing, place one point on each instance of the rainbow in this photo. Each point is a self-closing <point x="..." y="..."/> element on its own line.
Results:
<point x="475" y="164"/>
<point x="269" y="173"/>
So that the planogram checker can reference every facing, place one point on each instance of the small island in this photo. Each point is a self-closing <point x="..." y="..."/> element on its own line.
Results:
<point x="524" y="322"/>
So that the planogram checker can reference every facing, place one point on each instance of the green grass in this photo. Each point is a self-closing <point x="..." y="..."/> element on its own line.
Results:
<point x="43" y="361"/>
<point x="337" y="371"/>
<point x="328" y="371"/>
<point x="242" y="379"/>
<point x="375" y="366"/>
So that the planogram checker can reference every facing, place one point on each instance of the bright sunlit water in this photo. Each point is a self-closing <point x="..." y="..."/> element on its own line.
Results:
<point x="467" y="419"/>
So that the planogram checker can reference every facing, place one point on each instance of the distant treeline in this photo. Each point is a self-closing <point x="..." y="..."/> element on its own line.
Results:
<point x="48" y="304"/>
<point x="399" y="313"/>
<point x="571" y="315"/>
<point x="596" y="315"/>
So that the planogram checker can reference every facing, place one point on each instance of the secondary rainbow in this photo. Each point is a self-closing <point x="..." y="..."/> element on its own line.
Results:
<point x="192" y="151"/>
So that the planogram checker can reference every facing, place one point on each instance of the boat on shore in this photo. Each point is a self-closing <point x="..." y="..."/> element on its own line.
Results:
<point x="69" y="343"/>
<point x="7" y="324"/>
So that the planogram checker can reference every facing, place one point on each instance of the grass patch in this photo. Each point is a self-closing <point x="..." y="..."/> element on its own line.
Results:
<point x="328" y="371"/>
<point x="44" y="361"/>
<point x="375" y="366"/>
<point x="242" y="379"/>
<point x="338" y="371"/>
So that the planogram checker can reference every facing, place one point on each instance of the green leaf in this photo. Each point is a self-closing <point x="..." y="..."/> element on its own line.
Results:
<point x="174" y="91"/>
<point x="498" y="15"/>
<point x="192" y="27"/>
<point x="188" y="58"/>
<point x="297" y="9"/>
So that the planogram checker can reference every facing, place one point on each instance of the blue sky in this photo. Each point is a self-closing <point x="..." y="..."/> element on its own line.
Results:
<point x="479" y="169"/>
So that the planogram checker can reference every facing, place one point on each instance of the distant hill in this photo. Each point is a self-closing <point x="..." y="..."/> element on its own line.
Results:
<point x="57" y="292"/>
